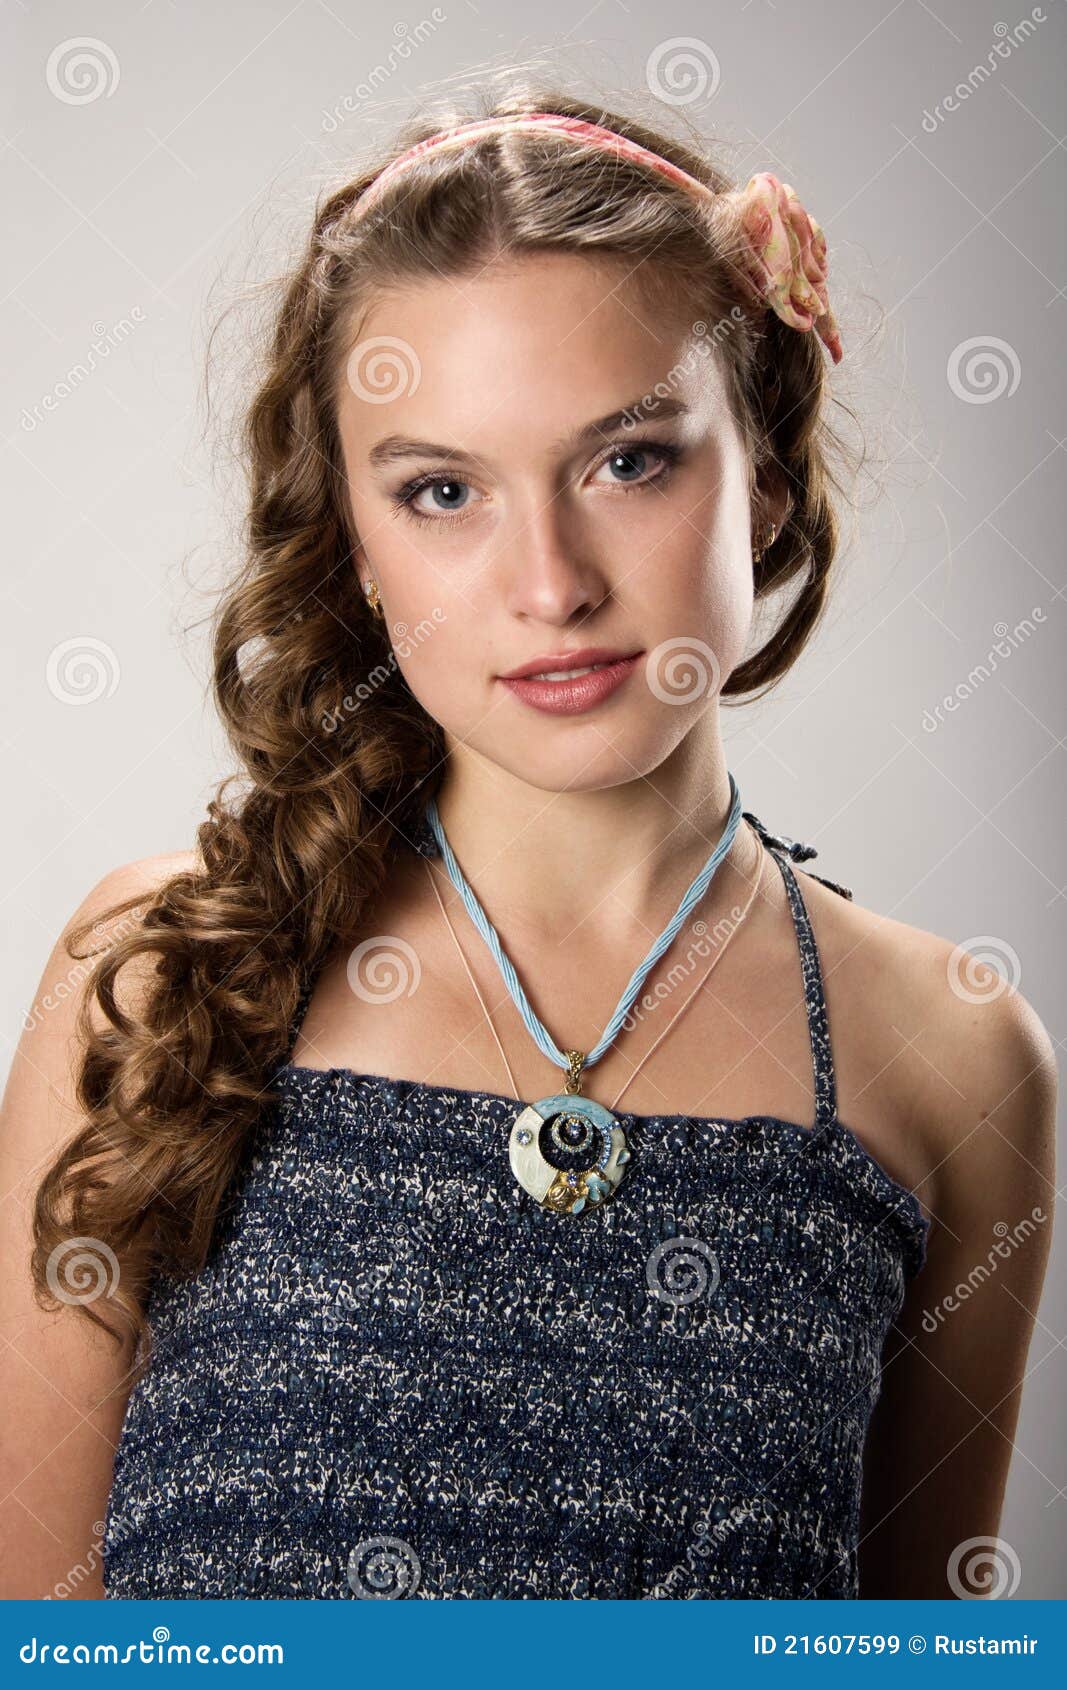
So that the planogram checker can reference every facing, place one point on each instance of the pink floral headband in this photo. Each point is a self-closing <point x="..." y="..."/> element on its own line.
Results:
<point x="781" y="250"/>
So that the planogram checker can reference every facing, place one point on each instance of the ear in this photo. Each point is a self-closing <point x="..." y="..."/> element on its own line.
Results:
<point x="357" y="557"/>
<point x="771" y="503"/>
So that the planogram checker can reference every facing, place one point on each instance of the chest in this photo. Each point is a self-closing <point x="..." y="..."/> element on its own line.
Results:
<point x="715" y="1030"/>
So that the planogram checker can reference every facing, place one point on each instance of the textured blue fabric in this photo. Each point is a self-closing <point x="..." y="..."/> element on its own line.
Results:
<point x="398" y="1376"/>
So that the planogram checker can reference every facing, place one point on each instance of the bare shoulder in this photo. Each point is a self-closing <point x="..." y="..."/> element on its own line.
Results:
<point x="945" y="1038"/>
<point x="114" y="906"/>
<point x="64" y="1381"/>
<point x="141" y="877"/>
<point x="39" y="1111"/>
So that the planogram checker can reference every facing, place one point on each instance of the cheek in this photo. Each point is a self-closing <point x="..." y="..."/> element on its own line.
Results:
<point x="731" y="594"/>
<point x="698" y="594"/>
<point x="443" y="653"/>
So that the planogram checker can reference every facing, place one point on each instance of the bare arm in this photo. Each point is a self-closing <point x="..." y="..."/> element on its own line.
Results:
<point x="64" y="1382"/>
<point x="942" y="1433"/>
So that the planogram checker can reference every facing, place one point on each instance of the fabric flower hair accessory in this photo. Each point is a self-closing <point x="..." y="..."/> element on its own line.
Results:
<point x="781" y="252"/>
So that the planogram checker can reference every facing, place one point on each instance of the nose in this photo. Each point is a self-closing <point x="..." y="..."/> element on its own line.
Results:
<point x="551" y="575"/>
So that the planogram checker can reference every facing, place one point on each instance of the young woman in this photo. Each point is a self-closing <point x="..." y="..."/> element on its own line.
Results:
<point x="497" y="1168"/>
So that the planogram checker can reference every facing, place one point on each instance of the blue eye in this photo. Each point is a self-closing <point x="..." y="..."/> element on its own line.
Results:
<point x="446" y="493"/>
<point x="451" y="497"/>
<point x="632" y="461"/>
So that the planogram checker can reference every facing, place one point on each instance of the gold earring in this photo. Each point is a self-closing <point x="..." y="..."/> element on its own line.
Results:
<point x="758" y="554"/>
<point x="374" y="599"/>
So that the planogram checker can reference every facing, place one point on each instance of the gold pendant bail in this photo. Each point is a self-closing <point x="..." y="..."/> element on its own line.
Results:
<point x="572" y="1085"/>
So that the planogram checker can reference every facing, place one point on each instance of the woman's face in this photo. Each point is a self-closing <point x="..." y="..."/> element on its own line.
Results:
<point x="505" y="519"/>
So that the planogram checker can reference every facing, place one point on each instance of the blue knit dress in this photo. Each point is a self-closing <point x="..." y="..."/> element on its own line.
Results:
<point x="398" y="1377"/>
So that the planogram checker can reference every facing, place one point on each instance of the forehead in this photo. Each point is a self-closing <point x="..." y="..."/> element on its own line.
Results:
<point x="529" y="346"/>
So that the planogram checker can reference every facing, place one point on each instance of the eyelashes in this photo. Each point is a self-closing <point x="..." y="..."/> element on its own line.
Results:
<point x="668" y="454"/>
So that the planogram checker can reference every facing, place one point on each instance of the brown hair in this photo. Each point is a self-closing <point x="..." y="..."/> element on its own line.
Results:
<point x="171" y="1098"/>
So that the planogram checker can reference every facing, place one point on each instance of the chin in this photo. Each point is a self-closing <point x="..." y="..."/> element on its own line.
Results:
<point x="566" y="754"/>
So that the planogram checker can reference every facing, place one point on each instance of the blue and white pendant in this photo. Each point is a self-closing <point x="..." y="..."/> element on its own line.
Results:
<point x="568" y="1151"/>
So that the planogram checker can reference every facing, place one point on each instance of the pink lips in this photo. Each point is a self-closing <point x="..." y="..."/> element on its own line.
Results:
<point x="571" y="698"/>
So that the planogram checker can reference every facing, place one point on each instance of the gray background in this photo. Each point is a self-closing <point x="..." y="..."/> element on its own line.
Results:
<point x="180" y="163"/>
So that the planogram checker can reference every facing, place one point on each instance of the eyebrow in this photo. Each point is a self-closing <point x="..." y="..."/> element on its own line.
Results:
<point x="647" y="408"/>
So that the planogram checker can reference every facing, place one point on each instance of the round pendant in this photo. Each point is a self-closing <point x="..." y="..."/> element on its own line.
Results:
<point x="567" y="1151"/>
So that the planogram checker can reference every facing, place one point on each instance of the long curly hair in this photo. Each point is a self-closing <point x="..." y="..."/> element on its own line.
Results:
<point x="171" y="1096"/>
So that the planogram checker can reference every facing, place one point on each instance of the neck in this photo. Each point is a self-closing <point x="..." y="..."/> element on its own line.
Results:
<point x="581" y="865"/>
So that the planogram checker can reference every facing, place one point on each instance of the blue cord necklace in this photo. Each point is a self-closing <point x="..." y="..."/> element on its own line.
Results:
<point x="567" y="1150"/>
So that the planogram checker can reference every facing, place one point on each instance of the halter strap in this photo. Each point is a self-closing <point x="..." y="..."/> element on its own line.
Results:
<point x="296" y="1019"/>
<point x="822" y="1061"/>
